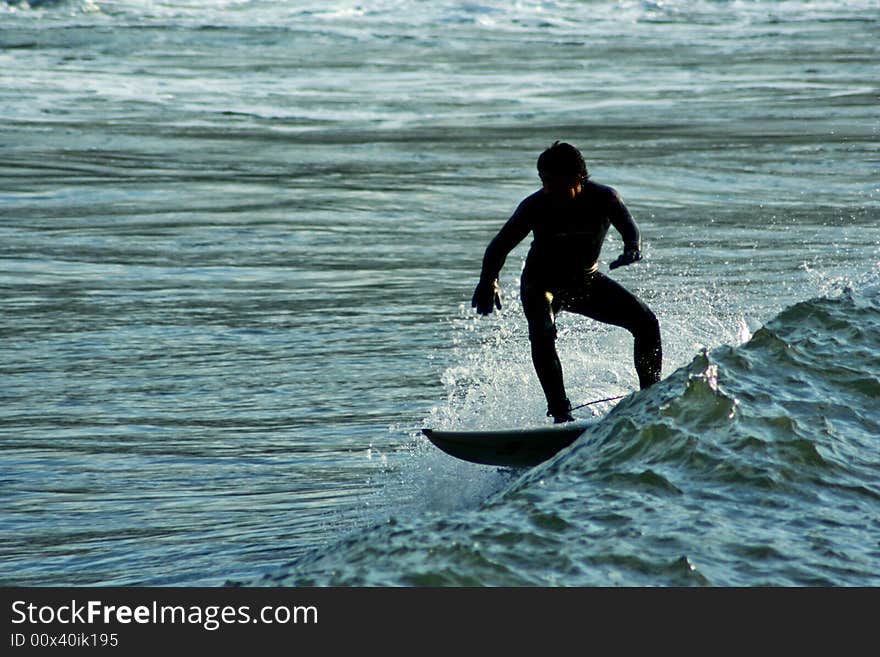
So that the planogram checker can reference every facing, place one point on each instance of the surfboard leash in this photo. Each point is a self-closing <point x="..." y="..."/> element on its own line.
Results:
<point x="598" y="401"/>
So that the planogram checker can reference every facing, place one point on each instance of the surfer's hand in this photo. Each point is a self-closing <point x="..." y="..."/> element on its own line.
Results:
<point x="486" y="295"/>
<point x="626" y="258"/>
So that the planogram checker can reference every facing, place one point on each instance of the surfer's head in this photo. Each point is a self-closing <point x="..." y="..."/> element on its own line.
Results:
<point x="562" y="170"/>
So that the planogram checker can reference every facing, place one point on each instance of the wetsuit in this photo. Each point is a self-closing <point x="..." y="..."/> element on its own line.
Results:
<point x="561" y="273"/>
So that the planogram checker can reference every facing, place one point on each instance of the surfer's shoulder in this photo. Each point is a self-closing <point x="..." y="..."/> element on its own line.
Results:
<point x="530" y="203"/>
<point x="600" y="190"/>
<point x="604" y="194"/>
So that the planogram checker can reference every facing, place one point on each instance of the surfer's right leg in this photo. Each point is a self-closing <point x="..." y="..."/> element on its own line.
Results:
<point x="539" y="310"/>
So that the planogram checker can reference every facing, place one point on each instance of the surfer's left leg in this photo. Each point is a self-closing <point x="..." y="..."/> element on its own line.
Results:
<point x="607" y="301"/>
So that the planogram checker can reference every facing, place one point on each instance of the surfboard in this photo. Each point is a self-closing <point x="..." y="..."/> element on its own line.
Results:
<point x="519" y="448"/>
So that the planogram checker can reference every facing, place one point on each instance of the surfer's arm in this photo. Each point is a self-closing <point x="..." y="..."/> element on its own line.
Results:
<point x="488" y="292"/>
<point x="512" y="233"/>
<point x="623" y="222"/>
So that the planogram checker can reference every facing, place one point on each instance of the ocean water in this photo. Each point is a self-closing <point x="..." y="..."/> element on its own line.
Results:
<point x="238" y="241"/>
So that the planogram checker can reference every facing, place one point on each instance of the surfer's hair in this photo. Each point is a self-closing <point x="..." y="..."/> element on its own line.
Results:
<point x="562" y="159"/>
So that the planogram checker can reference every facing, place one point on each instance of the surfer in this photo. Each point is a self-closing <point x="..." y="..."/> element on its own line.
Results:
<point x="569" y="218"/>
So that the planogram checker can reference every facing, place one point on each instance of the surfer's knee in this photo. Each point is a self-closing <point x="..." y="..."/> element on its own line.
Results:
<point x="645" y="325"/>
<point x="650" y="323"/>
<point x="542" y="332"/>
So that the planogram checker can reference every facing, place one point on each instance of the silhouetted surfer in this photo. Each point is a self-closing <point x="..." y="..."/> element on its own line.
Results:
<point x="569" y="218"/>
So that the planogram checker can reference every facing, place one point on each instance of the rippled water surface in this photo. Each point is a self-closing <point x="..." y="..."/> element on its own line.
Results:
<point x="238" y="244"/>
